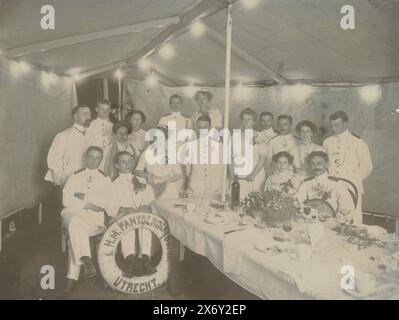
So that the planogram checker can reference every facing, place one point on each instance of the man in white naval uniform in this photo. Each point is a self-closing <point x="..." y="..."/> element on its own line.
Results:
<point x="85" y="197"/>
<point x="99" y="132"/>
<point x="284" y="141"/>
<point x="324" y="187"/>
<point x="175" y="103"/>
<point x="204" y="157"/>
<point x="349" y="156"/>
<point x="129" y="195"/>
<point x="181" y="123"/>
<point x="67" y="151"/>
<point x="267" y="133"/>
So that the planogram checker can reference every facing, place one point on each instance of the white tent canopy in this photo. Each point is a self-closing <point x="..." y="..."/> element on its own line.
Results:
<point x="275" y="41"/>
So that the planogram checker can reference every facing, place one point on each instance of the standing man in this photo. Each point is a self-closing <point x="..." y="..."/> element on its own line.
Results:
<point x="67" y="151"/>
<point x="85" y="197"/>
<point x="284" y="141"/>
<point x="204" y="172"/>
<point x="349" y="156"/>
<point x="181" y="122"/>
<point x="176" y="103"/>
<point x="99" y="132"/>
<point x="267" y="132"/>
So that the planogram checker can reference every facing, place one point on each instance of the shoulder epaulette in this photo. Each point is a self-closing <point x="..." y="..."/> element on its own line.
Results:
<point x="102" y="172"/>
<point x="333" y="178"/>
<point x="355" y="135"/>
<point x="308" y="179"/>
<point x="83" y="169"/>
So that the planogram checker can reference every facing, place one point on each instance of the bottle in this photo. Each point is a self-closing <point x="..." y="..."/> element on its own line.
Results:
<point x="235" y="193"/>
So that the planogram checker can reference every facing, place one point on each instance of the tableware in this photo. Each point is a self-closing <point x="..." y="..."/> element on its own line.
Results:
<point x="235" y="230"/>
<point x="316" y="231"/>
<point x="241" y="213"/>
<point x="273" y="249"/>
<point x="301" y="252"/>
<point x="217" y="221"/>
<point x="190" y="206"/>
<point x="258" y="214"/>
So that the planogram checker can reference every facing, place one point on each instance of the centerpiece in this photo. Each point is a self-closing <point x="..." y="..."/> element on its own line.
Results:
<point x="272" y="208"/>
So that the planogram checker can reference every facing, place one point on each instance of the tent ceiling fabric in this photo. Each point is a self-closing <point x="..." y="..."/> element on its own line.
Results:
<point x="92" y="54"/>
<point x="298" y="39"/>
<point x="19" y="19"/>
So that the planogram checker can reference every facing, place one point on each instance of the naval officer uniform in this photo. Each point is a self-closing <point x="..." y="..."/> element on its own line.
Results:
<point x="79" y="222"/>
<point x="99" y="133"/>
<point x="349" y="158"/>
<point x="66" y="154"/>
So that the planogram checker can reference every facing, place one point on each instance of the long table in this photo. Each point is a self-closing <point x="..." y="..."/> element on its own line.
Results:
<point x="268" y="276"/>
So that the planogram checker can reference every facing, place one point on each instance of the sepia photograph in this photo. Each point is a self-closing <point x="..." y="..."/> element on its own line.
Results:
<point x="191" y="150"/>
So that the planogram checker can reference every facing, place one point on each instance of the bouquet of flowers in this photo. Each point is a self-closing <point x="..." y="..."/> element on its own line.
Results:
<point x="275" y="206"/>
<point x="137" y="185"/>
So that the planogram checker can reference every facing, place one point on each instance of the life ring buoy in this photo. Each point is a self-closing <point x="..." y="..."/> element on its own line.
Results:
<point x="112" y="274"/>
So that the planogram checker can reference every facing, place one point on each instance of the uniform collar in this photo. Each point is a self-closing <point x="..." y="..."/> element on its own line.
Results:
<point x="268" y="131"/>
<point x="102" y="120"/>
<point x="305" y="144"/>
<point x="343" y="134"/>
<point x="80" y="128"/>
<point x="176" y="113"/>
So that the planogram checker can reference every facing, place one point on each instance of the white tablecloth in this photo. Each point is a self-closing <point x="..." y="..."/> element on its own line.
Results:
<point x="265" y="275"/>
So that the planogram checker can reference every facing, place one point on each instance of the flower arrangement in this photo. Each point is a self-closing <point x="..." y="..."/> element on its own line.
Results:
<point x="276" y="207"/>
<point x="137" y="185"/>
<point x="273" y="199"/>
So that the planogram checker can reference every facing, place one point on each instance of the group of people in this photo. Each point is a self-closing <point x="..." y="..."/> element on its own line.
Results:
<point x="103" y="172"/>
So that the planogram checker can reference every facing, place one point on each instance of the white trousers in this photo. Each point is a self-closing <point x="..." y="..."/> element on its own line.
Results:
<point x="80" y="225"/>
<point x="128" y="242"/>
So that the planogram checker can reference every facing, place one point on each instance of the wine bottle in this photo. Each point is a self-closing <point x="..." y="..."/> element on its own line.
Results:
<point x="235" y="193"/>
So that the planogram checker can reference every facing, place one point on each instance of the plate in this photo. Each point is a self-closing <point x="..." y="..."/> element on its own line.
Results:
<point x="270" y="247"/>
<point x="218" y="221"/>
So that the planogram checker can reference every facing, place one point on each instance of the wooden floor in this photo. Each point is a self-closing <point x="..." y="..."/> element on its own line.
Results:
<point x="31" y="248"/>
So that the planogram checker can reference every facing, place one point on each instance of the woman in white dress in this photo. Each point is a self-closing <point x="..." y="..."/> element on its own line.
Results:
<point x="284" y="178"/>
<point x="136" y="118"/>
<point x="255" y="180"/>
<point x="306" y="130"/>
<point x="165" y="178"/>
<point x="203" y="98"/>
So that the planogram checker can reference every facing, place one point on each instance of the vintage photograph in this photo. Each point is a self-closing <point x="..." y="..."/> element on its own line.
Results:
<point x="199" y="150"/>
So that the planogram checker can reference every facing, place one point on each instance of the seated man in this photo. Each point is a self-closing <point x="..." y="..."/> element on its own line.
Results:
<point x="324" y="187"/>
<point x="84" y="198"/>
<point x="128" y="195"/>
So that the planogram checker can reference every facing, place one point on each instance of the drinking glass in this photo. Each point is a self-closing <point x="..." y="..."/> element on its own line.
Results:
<point x="241" y="213"/>
<point x="258" y="218"/>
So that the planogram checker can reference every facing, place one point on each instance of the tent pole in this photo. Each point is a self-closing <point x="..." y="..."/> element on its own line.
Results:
<point x="119" y="98"/>
<point x="227" y="99"/>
